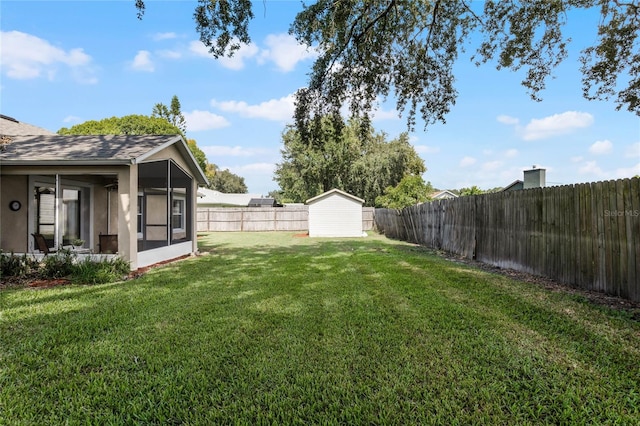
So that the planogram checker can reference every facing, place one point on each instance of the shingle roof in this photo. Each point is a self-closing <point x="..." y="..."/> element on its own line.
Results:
<point x="12" y="127"/>
<point x="102" y="149"/>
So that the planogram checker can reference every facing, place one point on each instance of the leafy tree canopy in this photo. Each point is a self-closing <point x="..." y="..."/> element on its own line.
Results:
<point x="372" y="49"/>
<point x="225" y="181"/>
<point x="134" y="125"/>
<point x="350" y="157"/>
<point x="173" y="115"/>
<point x="127" y="125"/>
<point x="411" y="190"/>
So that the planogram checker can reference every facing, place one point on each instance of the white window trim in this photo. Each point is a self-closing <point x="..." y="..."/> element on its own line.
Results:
<point x="182" y="227"/>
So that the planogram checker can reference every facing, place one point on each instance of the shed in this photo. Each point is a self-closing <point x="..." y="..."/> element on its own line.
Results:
<point x="335" y="213"/>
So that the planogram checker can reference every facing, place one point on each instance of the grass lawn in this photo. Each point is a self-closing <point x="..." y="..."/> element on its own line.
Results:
<point x="273" y="329"/>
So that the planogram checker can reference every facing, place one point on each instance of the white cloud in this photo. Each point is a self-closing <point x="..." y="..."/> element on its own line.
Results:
<point x="204" y="120"/>
<point x="591" y="168"/>
<point x="511" y="153"/>
<point x="24" y="56"/>
<point x="164" y="36"/>
<point x="267" y="168"/>
<point x="380" y="114"/>
<point x="285" y="51"/>
<point x="169" y="54"/>
<point x="505" y="119"/>
<point x="143" y="62"/>
<point x="601" y="147"/>
<point x="467" y="161"/>
<point x="557" y="124"/>
<point x="577" y="159"/>
<point x="71" y="119"/>
<point x="633" y="151"/>
<point x="274" y="109"/>
<point x="231" y="151"/>
<point x="236" y="62"/>
<point x="426" y="149"/>
<point x="628" y="172"/>
<point x="491" y="166"/>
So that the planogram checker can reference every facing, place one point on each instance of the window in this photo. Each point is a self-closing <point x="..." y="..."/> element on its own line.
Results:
<point x="140" y="215"/>
<point x="177" y="214"/>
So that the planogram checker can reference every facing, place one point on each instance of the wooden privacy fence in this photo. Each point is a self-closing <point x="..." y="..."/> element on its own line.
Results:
<point x="584" y="235"/>
<point x="296" y="218"/>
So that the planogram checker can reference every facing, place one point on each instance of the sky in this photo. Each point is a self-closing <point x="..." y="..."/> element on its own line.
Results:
<point x="65" y="62"/>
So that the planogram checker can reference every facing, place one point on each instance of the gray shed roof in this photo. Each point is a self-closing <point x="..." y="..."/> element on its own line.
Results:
<point x="91" y="150"/>
<point x="11" y="126"/>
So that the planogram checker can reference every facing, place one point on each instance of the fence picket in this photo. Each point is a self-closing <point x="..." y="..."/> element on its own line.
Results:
<point x="586" y="235"/>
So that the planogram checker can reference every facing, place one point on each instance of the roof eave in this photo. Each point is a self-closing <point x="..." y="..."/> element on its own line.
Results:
<point x="101" y="162"/>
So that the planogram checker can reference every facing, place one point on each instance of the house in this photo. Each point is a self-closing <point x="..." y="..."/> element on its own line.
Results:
<point x="533" y="178"/>
<point x="211" y="198"/>
<point x="335" y="213"/>
<point x="138" y="190"/>
<point x="443" y="195"/>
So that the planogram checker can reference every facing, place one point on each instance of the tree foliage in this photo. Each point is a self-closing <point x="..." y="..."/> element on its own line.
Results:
<point x="374" y="49"/>
<point x="350" y="157"/>
<point x="411" y="190"/>
<point x="134" y="125"/>
<point x="127" y="125"/>
<point x="225" y="181"/>
<point x="173" y="114"/>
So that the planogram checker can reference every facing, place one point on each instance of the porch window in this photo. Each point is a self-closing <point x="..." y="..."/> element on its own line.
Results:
<point x="177" y="214"/>
<point x="71" y="216"/>
<point x="140" y="215"/>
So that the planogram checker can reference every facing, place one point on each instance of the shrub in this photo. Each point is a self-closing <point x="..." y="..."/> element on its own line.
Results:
<point x="12" y="265"/>
<point x="58" y="265"/>
<point x="91" y="271"/>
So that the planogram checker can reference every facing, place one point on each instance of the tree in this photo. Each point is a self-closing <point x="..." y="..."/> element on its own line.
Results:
<point x="134" y="125"/>
<point x="225" y="181"/>
<point x="474" y="190"/>
<point x="173" y="115"/>
<point x="370" y="49"/>
<point x="350" y="157"/>
<point x="410" y="191"/>
<point x="127" y="125"/>
<point x="198" y="154"/>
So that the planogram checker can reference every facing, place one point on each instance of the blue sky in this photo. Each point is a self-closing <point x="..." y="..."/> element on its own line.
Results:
<point x="65" y="62"/>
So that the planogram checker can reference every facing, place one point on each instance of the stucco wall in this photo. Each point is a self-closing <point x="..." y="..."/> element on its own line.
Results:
<point x="14" y="235"/>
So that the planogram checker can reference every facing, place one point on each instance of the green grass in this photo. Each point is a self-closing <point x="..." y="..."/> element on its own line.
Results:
<point x="274" y="329"/>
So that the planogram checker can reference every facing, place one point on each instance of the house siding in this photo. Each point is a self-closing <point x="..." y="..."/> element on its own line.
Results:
<point x="14" y="235"/>
<point x="335" y="215"/>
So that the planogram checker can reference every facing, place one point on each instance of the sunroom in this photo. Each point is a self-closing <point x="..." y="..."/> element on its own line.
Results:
<point x="99" y="195"/>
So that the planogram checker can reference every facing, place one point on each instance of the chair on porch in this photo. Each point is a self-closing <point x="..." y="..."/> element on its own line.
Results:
<point x="41" y="244"/>
<point x="108" y="243"/>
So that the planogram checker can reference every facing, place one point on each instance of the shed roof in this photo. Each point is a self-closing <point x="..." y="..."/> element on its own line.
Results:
<point x="59" y="150"/>
<point x="331" y="192"/>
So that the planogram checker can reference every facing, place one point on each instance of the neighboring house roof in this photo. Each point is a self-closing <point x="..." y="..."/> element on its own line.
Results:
<point x="217" y="198"/>
<point x="334" y="191"/>
<point x="515" y="185"/>
<point x="9" y="126"/>
<point x="58" y="150"/>
<point x="443" y="194"/>
<point x="262" y="202"/>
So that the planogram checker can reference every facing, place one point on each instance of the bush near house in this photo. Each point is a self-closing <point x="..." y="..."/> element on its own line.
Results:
<point x="63" y="264"/>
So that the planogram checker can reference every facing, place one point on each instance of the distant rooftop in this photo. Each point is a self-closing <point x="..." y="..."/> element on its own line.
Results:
<point x="9" y="126"/>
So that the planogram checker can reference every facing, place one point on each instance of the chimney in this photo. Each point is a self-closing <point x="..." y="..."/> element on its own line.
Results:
<point x="534" y="178"/>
